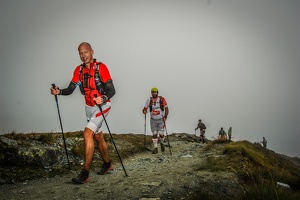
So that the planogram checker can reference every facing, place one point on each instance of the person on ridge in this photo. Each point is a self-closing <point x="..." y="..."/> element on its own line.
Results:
<point x="264" y="142"/>
<point x="159" y="111"/>
<point x="95" y="83"/>
<point x="202" y="129"/>
<point x="222" y="134"/>
<point x="229" y="133"/>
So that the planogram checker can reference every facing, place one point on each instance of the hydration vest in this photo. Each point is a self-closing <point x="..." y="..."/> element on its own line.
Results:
<point x="84" y="78"/>
<point x="160" y="104"/>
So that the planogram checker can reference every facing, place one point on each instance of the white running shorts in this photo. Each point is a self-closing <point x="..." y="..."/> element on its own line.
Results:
<point x="95" y="118"/>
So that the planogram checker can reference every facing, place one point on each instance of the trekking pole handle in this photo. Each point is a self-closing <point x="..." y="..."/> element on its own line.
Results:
<point x="95" y="95"/>
<point x="53" y="86"/>
<point x="103" y="101"/>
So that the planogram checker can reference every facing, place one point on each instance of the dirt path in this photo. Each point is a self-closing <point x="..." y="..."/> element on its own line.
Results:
<point x="151" y="176"/>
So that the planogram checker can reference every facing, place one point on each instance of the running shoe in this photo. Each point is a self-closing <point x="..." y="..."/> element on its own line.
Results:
<point x="82" y="178"/>
<point x="155" y="151"/>
<point x="106" y="167"/>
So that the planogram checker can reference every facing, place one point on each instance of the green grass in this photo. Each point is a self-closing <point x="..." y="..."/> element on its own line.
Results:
<point x="266" y="164"/>
<point x="47" y="138"/>
<point x="258" y="170"/>
<point x="266" y="191"/>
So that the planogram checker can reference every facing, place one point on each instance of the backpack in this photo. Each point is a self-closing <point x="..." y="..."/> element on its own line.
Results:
<point x="98" y="80"/>
<point x="160" y="104"/>
<point x="202" y="126"/>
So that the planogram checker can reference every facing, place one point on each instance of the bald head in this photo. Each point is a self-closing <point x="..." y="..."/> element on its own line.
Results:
<point x="86" y="53"/>
<point x="85" y="44"/>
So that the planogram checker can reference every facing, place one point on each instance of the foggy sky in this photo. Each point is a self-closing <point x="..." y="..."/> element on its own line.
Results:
<point x="227" y="62"/>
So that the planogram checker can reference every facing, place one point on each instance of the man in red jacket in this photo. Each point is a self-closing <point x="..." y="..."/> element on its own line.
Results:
<point x="96" y="85"/>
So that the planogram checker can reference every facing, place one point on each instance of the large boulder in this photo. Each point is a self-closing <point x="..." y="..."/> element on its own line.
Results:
<point x="41" y="156"/>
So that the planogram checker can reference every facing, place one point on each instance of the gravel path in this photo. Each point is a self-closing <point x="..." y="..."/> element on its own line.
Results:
<point x="150" y="176"/>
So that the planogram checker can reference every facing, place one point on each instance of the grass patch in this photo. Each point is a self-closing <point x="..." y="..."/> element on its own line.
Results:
<point x="47" y="138"/>
<point x="261" y="163"/>
<point x="266" y="191"/>
<point x="258" y="169"/>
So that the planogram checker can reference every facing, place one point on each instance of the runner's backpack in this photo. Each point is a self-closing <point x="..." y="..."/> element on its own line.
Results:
<point x="84" y="78"/>
<point x="203" y="126"/>
<point x="160" y="103"/>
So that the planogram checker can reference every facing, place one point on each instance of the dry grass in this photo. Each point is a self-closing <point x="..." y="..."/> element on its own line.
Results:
<point x="259" y="169"/>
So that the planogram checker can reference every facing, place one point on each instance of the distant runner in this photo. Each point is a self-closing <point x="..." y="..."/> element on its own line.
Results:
<point x="202" y="129"/>
<point x="229" y="133"/>
<point x="159" y="111"/>
<point x="264" y="142"/>
<point x="222" y="134"/>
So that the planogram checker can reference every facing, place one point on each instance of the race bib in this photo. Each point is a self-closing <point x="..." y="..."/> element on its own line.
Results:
<point x="155" y="112"/>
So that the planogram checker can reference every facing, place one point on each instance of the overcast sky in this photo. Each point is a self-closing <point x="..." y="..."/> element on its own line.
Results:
<point x="227" y="62"/>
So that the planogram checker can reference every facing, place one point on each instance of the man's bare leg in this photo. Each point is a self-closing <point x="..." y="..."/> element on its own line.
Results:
<point x="102" y="146"/>
<point x="89" y="148"/>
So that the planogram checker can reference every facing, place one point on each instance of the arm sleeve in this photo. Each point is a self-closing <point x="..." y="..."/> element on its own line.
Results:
<point x="69" y="90"/>
<point x="166" y="111"/>
<point x="110" y="89"/>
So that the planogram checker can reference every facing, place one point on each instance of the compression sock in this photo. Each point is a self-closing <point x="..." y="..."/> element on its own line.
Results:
<point x="155" y="142"/>
<point x="161" y="139"/>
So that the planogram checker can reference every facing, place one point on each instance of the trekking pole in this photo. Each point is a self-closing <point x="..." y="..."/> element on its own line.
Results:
<point x="168" y="138"/>
<point x="61" y="127"/>
<point x="147" y="148"/>
<point x="145" y="131"/>
<point x="112" y="139"/>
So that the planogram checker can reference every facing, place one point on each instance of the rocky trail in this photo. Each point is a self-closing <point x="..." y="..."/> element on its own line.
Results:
<point x="150" y="176"/>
